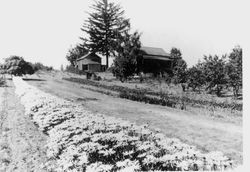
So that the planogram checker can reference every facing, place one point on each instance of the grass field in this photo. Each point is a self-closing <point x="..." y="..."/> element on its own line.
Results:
<point x="208" y="133"/>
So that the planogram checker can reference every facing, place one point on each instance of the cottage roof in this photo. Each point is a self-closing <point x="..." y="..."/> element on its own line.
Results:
<point x="154" y="51"/>
<point x="88" y="61"/>
<point x="83" y="57"/>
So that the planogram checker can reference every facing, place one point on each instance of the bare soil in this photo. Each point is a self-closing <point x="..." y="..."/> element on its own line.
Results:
<point x="207" y="133"/>
<point x="21" y="143"/>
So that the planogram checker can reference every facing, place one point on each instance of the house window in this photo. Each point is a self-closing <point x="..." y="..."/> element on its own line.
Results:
<point x="84" y="67"/>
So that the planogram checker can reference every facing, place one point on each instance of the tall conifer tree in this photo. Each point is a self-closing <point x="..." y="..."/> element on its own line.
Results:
<point x="104" y="26"/>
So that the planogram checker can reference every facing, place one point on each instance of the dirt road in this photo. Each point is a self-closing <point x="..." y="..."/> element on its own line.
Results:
<point x="21" y="144"/>
<point x="204" y="132"/>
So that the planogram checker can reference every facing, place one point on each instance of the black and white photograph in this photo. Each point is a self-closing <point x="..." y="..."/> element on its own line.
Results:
<point x="123" y="85"/>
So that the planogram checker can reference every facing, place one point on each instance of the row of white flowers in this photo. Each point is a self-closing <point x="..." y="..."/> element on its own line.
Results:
<point x="82" y="141"/>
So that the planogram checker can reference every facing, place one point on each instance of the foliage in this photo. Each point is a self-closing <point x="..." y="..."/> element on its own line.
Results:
<point x="76" y="52"/>
<point x="195" y="77"/>
<point x="180" y="71"/>
<point x="79" y="140"/>
<point x="234" y="69"/>
<point x="179" y="66"/>
<point x="72" y="69"/>
<point x="215" y="72"/>
<point x="2" y="79"/>
<point x="103" y="27"/>
<point x="125" y="64"/>
<point x="176" y="55"/>
<point x="62" y="68"/>
<point x="159" y="98"/>
<point x="39" y="66"/>
<point x="141" y="96"/>
<point x="16" y="65"/>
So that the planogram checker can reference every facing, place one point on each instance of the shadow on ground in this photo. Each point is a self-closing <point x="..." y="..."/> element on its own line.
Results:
<point x="33" y="79"/>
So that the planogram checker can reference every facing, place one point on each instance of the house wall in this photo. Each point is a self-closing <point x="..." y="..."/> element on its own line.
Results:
<point x="79" y="64"/>
<point x="156" y="66"/>
<point x="85" y="61"/>
<point x="94" y="67"/>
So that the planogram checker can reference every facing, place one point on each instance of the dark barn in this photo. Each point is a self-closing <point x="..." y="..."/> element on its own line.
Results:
<point x="155" y="60"/>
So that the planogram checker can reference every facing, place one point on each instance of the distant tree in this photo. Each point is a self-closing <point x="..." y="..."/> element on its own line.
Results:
<point x="179" y="67"/>
<point x="195" y="76"/>
<point x="61" y="68"/>
<point x="16" y="65"/>
<point x="180" y="73"/>
<point x="104" y="26"/>
<point x="176" y="55"/>
<point x="39" y="66"/>
<point x="75" y="53"/>
<point x="125" y="64"/>
<point x="234" y="69"/>
<point x="215" y="72"/>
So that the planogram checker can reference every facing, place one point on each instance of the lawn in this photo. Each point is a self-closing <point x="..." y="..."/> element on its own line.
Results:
<point x="165" y="94"/>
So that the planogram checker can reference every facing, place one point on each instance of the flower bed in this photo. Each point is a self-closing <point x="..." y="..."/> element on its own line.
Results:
<point x="82" y="141"/>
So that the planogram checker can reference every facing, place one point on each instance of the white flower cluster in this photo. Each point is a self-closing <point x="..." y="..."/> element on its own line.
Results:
<point x="82" y="141"/>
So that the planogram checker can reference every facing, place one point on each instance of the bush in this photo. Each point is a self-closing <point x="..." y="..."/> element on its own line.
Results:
<point x="72" y="69"/>
<point x="196" y="78"/>
<point x="40" y="66"/>
<point x="16" y="65"/>
<point x="2" y="82"/>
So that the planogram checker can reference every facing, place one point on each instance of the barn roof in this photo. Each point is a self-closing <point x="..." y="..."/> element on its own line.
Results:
<point x="154" y="51"/>
<point x="83" y="57"/>
<point x="88" y="61"/>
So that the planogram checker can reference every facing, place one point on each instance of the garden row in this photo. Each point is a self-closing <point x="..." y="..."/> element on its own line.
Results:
<point x="160" y="98"/>
<point x="81" y="141"/>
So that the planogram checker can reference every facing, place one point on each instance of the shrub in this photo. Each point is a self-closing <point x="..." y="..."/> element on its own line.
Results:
<point x="72" y="69"/>
<point x="39" y="66"/>
<point x="16" y="65"/>
<point x="2" y="82"/>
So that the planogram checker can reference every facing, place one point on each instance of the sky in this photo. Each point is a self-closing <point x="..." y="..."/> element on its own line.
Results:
<point x="44" y="30"/>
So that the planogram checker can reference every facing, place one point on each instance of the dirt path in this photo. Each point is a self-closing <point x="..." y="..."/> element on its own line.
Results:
<point x="21" y="144"/>
<point x="206" y="133"/>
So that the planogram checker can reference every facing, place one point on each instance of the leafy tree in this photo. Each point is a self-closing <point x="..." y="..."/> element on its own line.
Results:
<point x="195" y="77"/>
<point x="179" y="67"/>
<point x="125" y="64"/>
<point x="180" y="73"/>
<point x="215" y="72"/>
<point x="39" y="66"/>
<point x="16" y="65"/>
<point x="75" y="53"/>
<point x="104" y="26"/>
<point x="176" y="55"/>
<point x="234" y="69"/>
<point x="61" y="68"/>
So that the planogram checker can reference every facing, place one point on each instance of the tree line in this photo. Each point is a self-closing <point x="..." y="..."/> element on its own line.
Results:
<point x="16" y="65"/>
<point x="213" y="72"/>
